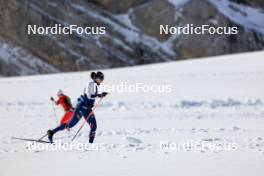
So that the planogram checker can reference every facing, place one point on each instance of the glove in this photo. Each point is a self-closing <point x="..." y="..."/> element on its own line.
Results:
<point x="104" y="94"/>
<point x="52" y="99"/>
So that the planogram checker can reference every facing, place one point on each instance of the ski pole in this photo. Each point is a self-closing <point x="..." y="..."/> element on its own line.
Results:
<point x="37" y="140"/>
<point x="87" y="118"/>
<point x="54" y="110"/>
<point x="43" y="137"/>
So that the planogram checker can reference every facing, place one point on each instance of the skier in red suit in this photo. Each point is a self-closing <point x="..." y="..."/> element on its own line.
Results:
<point x="65" y="102"/>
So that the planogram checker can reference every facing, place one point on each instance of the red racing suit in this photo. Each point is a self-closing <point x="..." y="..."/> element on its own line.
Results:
<point x="65" y="102"/>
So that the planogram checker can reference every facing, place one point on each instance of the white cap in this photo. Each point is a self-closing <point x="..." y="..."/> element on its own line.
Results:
<point x="60" y="92"/>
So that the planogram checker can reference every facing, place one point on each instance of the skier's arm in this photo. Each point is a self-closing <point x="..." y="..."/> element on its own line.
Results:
<point x="52" y="99"/>
<point x="103" y="94"/>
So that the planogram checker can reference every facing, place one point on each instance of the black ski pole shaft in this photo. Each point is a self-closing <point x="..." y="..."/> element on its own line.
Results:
<point x="77" y="133"/>
<point x="38" y="140"/>
<point x="42" y="137"/>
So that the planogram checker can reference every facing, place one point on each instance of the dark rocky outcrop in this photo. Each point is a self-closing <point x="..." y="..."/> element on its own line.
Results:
<point x="132" y="36"/>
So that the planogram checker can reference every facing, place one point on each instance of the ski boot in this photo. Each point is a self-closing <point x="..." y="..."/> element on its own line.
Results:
<point x="50" y="136"/>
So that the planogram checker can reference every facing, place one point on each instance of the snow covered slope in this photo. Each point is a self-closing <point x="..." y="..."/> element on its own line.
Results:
<point x="212" y="100"/>
<point x="18" y="61"/>
<point x="246" y="16"/>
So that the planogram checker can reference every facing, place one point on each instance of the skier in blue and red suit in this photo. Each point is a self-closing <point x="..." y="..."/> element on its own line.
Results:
<point x="84" y="107"/>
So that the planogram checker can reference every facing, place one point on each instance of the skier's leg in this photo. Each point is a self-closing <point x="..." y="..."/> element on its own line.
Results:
<point x="59" y="128"/>
<point x="66" y="117"/>
<point x="93" y="126"/>
<point x="91" y="121"/>
<point x="55" y="130"/>
<point x="75" y="117"/>
<point x="62" y="125"/>
<point x="74" y="120"/>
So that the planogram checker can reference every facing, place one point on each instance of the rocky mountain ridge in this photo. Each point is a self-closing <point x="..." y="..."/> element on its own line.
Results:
<point x="132" y="36"/>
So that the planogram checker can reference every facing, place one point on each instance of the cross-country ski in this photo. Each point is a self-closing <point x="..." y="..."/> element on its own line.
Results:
<point x="30" y="140"/>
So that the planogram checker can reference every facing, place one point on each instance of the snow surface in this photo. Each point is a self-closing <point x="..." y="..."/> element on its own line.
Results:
<point x="214" y="99"/>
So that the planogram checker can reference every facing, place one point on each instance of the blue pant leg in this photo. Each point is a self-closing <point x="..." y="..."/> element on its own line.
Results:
<point x="75" y="117"/>
<point x="74" y="120"/>
<point x="91" y="121"/>
<point x="59" y="128"/>
<point x="93" y="126"/>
